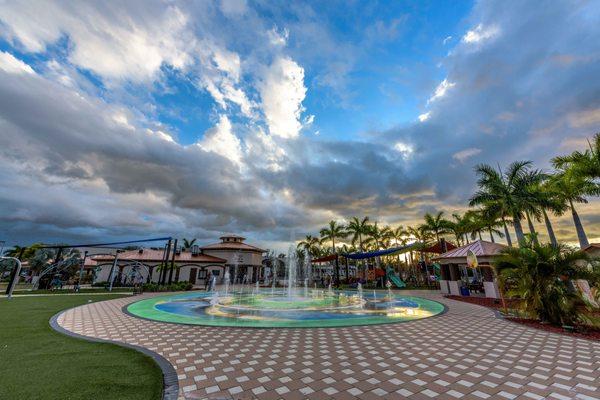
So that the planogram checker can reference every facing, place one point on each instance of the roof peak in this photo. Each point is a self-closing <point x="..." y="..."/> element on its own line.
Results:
<point x="232" y="238"/>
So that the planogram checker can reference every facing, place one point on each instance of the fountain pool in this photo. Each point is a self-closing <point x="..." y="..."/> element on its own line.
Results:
<point x="299" y="308"/>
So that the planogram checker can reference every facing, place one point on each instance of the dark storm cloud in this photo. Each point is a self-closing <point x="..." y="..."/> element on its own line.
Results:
<point x="72" y="166"/>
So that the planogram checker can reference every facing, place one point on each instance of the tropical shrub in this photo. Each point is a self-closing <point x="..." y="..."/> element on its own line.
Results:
<point x="541" y="276"/>
<point x="174" y="287"/>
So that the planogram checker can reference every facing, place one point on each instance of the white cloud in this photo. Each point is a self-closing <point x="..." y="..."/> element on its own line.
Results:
<point x="278" y="38"/>
<point x="447" y="39"/>
<point x="282" y="91"/>
<point x="425" y="116"/>
<point x="108" y="41"/>
<point x="441" y="89"/>
<point x="465" y="154"/>
<point x="234" y="8"/>
<point x="404" y="149"/>
<point x="480" y="34"/>
<point x="265" y="152"/>
<point x="221" y="140"/>
<point x="12" y="65"/>
<point x="228" y="62"/>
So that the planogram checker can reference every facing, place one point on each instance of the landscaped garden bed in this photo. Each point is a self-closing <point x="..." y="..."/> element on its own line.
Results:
<point x="585" y="332"/>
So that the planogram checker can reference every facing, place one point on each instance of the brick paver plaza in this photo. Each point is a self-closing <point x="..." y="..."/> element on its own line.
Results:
<point x="466" y="352"/>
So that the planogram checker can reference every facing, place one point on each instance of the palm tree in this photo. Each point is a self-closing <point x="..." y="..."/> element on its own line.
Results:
<point x="490" y="223"/>
<point x="15" y="251"/>
<point x="379" y="237"/>
<point x="549" y="199"/>
<point x="311" y="245"/>
<point x="586" y="164"/>
<point x="188" y="243"/>
<point x="332" y="232"/>
<point x="540" y="275"/>
<point x="505" y="194"/>
<point x="436" y="224"/>
<point x="400" y="238"/>
<point x="572" y="188"/>
<point x="359" y="229"/>
<point x="459" y="227"/>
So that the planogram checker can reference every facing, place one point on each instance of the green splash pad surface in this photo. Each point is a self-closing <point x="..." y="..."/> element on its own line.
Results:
<point x="266" y="310"/>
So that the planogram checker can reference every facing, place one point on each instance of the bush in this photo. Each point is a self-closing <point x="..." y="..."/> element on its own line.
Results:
<point x="174" y="287"/>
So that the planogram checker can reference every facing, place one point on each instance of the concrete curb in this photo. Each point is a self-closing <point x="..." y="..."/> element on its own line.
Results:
<point x="170" y="381"/>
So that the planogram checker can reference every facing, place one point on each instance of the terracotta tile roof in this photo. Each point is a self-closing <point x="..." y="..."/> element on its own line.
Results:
<point x="437" y="248"/>
<point x="232" y="246"/>
<point x="150" y="255"/>
<point x="481" y="248"/>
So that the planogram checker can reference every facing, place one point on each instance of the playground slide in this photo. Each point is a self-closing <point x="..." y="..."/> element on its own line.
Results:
<point x="395" y="279"/>
<point x="437" y="271"/>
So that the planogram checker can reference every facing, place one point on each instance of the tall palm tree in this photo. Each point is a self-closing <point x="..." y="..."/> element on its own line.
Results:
<point x="359" y="229"/>
<point x="585" y="164"/>
<point x="490" y="223"/>
<point x="459" y="227"/>
<point x="505" y="193"/>
<point x="436" y="224"/>
<point x="332" y="232"/>
<point x="400" y="237"/>
<point x="549" y="200"/>
<point x="310" y="244"/>
<point x="379" y="237"/>
<point x="573" y="188"/>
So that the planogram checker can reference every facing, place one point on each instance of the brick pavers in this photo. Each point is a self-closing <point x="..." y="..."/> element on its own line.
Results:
<point x="465" y="353"/>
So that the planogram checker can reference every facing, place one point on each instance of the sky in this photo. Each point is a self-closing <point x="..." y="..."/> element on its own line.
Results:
<point x="137" y="119"/>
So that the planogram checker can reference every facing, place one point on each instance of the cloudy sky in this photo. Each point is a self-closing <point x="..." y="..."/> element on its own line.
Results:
<point x="123" y="120"/>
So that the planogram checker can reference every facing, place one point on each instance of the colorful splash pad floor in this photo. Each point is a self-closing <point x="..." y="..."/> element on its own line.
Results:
<point x="466" y="352"/>
<point x="276" y="309"/>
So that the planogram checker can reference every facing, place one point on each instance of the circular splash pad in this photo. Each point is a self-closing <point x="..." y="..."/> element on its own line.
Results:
<point x="279" y="309"/>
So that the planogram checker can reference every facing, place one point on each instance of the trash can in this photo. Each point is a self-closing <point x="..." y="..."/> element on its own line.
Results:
<point x="464" y="291"/>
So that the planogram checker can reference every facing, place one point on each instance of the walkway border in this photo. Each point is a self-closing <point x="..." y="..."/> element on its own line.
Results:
<point x="170" y="381"/>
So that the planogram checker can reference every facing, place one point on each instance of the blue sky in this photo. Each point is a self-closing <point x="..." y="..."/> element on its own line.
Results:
<point x="270" y="118"/>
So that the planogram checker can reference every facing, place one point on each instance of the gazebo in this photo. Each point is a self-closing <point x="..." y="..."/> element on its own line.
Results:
<point x="454" y="260"/>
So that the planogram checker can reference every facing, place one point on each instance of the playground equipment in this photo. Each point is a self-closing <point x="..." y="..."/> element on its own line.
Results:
<point x="14" y="276"/>
<point x="394" y="278"/>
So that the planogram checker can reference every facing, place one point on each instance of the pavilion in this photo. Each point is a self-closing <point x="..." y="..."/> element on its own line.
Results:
<point x="454" y="267"/>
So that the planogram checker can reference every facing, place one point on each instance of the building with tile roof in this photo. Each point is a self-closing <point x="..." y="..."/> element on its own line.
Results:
<point x="456" y="274"/>
<point x="196" y="265"/>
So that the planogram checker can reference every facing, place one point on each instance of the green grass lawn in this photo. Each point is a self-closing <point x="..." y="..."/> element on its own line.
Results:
<point x="38" y="363"/>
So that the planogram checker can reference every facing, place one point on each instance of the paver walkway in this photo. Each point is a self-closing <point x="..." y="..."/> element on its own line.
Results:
<point x="465" y="353"/>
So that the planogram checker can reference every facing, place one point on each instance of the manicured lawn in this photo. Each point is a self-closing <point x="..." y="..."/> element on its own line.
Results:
<point x="39" y="363"/>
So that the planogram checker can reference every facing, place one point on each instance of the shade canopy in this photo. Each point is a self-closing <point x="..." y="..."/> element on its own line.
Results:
<point x="482" y="249"/>
<point x="324" y="259"/>
<point x="379" y="253"/>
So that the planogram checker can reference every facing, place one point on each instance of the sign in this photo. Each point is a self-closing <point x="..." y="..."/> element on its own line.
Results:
<point x="472" y="259"/>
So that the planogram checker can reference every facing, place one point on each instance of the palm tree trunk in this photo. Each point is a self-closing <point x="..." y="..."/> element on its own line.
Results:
<point x="337" y="264"/>
<point x="518" y="230"/>
<point x="531" y="228"/>
<point x="583" y="240"/>
<point x="550" y="230"/>
<point x="491" y="235"/>
<point x="506" y="232"/>
<point x="479" y="234"/>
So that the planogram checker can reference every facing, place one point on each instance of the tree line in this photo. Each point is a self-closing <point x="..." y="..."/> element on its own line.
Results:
<point x="504" y="200"/>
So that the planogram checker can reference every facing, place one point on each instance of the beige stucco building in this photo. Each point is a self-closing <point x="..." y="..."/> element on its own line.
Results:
<point x="196" y="265"/>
